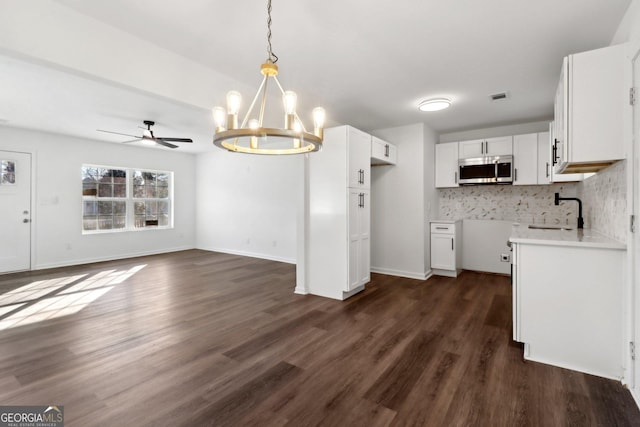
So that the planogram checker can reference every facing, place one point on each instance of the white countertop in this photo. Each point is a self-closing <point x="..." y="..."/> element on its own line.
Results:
<point x="521" y="233"/>
<point x="444" y="221"/>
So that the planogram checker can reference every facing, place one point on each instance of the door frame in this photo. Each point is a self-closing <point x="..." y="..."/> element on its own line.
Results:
<point x="32" y="201"/>
<point x="632" y="306"/>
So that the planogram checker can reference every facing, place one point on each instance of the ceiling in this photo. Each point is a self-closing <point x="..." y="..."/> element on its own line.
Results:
<point x="368" y="63"/>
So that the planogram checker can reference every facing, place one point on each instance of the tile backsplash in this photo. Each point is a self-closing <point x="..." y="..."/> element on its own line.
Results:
<point x="528" y="203"/>
<point x="604" y="197"/>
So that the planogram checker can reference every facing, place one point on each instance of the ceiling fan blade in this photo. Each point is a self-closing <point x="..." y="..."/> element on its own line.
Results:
<point x="166" y="144"/>
<point x="118" y="133"/>
<point x="175" y="139"/>
<point x="131" y="140"/>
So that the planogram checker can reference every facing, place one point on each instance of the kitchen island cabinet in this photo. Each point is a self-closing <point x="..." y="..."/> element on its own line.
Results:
<point x="568" y="299"/>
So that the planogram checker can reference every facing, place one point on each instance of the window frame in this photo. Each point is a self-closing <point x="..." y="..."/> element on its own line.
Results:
<point x="129" y="199"/>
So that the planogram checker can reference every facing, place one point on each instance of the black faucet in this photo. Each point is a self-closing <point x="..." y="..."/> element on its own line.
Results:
<point x="580" y="220"/>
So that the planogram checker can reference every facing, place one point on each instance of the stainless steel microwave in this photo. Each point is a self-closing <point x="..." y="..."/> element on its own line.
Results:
<point x="486" y="170"/>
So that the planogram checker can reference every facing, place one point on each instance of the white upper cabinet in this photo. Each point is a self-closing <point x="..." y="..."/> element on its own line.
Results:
<point x="359" y="158"/>
<point x="589" y="111"/>
<point x="485" y="147"/>
<point x="525" y="159"/>
<point x="382" y="152"/>
<point x="544" y="159"/>
<point x="552" y="153"/>
<point x="446" y="168"/>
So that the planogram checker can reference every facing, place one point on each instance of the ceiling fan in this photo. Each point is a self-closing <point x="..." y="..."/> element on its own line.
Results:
<point x="148" y="137"/>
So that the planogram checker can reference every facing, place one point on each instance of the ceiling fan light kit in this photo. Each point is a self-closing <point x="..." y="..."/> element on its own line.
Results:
<point x="252" y="136"/>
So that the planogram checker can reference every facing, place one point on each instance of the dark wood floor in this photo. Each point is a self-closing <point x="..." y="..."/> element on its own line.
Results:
<point x="200" y="338"/>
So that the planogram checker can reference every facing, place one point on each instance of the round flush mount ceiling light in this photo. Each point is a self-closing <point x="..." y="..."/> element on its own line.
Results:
<point x="434" y="104"/>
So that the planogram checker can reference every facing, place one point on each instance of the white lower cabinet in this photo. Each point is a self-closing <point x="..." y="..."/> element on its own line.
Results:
<point x="446" y="248"/>
<point x="567" y="306"/>
<point x="359" y="239"/>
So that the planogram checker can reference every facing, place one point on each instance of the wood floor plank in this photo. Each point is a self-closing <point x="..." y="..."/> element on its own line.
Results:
<point x="203" y="338"/>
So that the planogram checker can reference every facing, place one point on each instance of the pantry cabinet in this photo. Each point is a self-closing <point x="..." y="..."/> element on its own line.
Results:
<point x="338" y="244"/>
<point x="589" y="111"/>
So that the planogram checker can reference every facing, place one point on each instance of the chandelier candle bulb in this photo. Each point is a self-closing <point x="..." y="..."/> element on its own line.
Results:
<point x="233" y="108"/>
<point x="319" y="117"/>
<point x="219" y="118"/>
<point x="290" y="99"/>
<point x="298" y="128"/>
<point x="253" y="140"/>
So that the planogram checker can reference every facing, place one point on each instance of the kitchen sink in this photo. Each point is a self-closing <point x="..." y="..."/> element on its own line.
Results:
<point x="549" y="227"/>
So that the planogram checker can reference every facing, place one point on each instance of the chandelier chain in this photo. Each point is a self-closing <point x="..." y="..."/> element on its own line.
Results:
<point x="272" y="56"/>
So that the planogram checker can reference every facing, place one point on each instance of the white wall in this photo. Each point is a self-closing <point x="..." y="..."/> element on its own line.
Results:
<point x="248" y="204"/>
<point x="399" y="200"/>
<point x="57" y="214"/>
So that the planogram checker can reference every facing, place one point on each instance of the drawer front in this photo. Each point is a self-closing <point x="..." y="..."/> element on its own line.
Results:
<point x="443" y="228"/>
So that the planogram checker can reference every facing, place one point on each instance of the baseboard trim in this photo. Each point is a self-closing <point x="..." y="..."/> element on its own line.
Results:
<point x="300" y="291"/>
<point x="400" y="273"/>
<point x="571" y="367"/>
<point x="109" y="258"/>
<point x="248" y="254"/>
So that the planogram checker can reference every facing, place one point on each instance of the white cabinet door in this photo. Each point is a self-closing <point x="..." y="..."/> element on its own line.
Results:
<point x="500" y="146"/>
<point x="472" y="148"/>
<point x="364" y="215"/>
<point x="525" y="159"/>
<point x="443" y="255"/>
<point x="544" y="159"/>
<point x="558" y="146"/>
<point x="359" y="154"/>
<point x="359" y="239"/>
<point x="446" y="168"/>
<point x="382" y="152"/>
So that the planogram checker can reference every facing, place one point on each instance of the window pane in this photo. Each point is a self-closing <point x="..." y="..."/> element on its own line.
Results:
<point x="90" y="209"/>
<point x="89" y="174"/>
<point x="151" y="191"/>
<point x="105" y="222"/>
<point x="89" y="189"/>
<point x="163" y="220"/>
<point x="163" y="179"/>
<point x="9" y="178"/>
<point x="163" y="192"/>
<point x="105" y="208"/>
<point x="140" y="221"/>
<point x="119" y="221"/>
<point x="90" y="223"/>
<point x="119" y="208"/>
<point x="120" y="190"/>
<point x="151" y="208"/>
<point x="149" y="178"/>
<point x="105" y="190"/>
<point x="138" y="208"/>
<point x="138" y="191"/>
<point x="163" y="207"/>
<point x="119" y="176"/>
<point x="137" y="178"/>
<point x="105" y="175"/>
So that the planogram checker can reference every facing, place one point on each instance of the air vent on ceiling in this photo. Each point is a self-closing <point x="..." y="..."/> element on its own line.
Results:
<point x="499" y="96"/>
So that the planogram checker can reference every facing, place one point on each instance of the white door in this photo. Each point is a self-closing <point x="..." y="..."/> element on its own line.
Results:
<point x="15" y="211"/>
<point x="634" y="164"/>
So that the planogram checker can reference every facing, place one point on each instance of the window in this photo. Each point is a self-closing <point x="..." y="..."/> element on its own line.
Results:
<point x="116" y="199"/>
<point x="7" y="172"/>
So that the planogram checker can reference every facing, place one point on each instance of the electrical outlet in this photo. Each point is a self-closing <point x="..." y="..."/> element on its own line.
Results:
<point x="505" y="257"/>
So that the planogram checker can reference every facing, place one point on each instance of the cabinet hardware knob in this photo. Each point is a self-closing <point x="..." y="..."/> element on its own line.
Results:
<point x="26" y="220"/>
